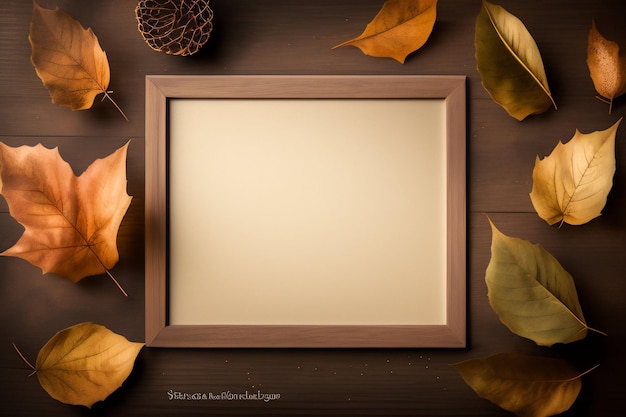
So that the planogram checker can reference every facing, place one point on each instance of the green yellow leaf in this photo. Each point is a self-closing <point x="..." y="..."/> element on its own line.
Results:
<point x="532" y="294"/>
<point x="510" y="64"/>
<point x="529" y="386"/>
<point x="85" y="363"/>
<point x="68" y="59"/>
<point x="400" y="28"/>
<point x="607" y="67"/>
<point x="70" y="223"/>
<point x="571" y="185"/>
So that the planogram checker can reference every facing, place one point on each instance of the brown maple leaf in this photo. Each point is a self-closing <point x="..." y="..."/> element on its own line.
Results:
<point x="70" y="222"/>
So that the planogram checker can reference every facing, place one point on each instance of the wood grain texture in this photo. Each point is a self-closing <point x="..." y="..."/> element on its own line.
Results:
<point x="289" y="37"/>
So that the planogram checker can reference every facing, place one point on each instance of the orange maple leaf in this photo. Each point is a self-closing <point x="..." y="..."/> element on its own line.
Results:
<point x="70" y="222"/>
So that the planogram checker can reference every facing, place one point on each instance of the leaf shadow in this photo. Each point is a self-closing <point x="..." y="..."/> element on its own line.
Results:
<point x="212" y="51"/>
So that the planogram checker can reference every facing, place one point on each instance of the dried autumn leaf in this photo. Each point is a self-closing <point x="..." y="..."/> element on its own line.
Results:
<point x="68" y="59"/>
<point x="70" y="222"/>
<point x="400" y="28"/>
<point x="175" y="27"/>
<point x="85" y="363"/>
<point x="607" y="67"/>
<point x="571" y="185"/>
<point x="531" y="292"/>
<point x="529" y="386"/>
<point x="510" y="64"/>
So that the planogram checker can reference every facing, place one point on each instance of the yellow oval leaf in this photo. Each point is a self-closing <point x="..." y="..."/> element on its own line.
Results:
<point x="399" y="28"/>
<point x="510" y="64"/>
<point x="532" y="294"/>
<point x="85" y="363"/>
<point x="571" y="185"/>
<point x="607" y="67"/>
<point x="529" y="386"/>
<point x="68" y="59"/>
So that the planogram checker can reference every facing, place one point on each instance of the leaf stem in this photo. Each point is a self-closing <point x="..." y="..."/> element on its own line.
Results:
<point x="116" y="283"/>
<point x="607" y="101"/>
<point x="106" y="94"/>
<point x="597" y="331"/>
<point x="583" y="374"/>
<point x="30" y="365"/>
<point x="589" y="371"/>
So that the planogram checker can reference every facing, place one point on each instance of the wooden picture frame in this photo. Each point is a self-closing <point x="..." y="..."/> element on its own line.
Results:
<point x="164" y="91"/>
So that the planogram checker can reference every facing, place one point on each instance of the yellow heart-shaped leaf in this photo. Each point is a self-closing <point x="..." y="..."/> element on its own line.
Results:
<point x="85" y="363"/>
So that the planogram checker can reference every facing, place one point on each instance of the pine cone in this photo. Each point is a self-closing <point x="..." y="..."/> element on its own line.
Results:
<point x="175" y="27"/>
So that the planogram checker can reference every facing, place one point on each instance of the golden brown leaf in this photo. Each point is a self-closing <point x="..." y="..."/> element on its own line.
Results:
<point x="85" y="363"/>
<point x="68" y="59"/>
<point x="529" y="386"/>
<point x="70" y="222"/>
<point x="399" y="28"/>
<point x="606" y="66"/>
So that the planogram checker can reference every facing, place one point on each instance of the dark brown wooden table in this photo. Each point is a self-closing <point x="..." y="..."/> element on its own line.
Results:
<point x="295" y="37"/>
